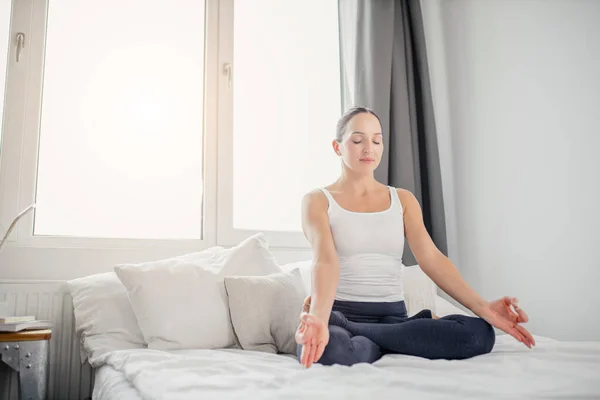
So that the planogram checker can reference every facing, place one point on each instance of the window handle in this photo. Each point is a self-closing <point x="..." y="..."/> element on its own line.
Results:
<point x="20" y="43"/>
<point x="227" y="71"/>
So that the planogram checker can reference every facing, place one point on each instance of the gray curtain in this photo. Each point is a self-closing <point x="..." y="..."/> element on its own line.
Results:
<point x="384" y="67"/>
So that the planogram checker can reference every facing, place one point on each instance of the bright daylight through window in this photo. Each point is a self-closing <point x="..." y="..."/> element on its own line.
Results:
<point x="286" y="103"/>
<point x="122" y="121"/>
<point x="142" y="135"/>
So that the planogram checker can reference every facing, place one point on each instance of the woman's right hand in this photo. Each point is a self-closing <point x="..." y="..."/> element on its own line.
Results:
<point x="312" y="334"/>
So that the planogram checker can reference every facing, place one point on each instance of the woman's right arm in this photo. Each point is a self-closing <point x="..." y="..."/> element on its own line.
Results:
<point x="326" y="269"/>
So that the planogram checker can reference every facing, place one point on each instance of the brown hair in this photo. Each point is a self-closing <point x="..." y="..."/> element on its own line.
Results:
<point x="342" y="123"/>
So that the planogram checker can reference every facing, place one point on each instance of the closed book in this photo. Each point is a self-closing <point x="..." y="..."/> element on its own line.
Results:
<point x="12" y="320"/>
<point x="22" y="326"/>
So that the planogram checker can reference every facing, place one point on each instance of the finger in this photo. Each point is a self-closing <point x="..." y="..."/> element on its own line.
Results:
<point x="300" y="338"/>
<point x="526" y="333"/>
<point x="300" y="333"/>
<point x="305" y="353"/>
<point x="520" y="313"/>
<point x="305" y="339"/>
<point x="523" y="317"/>
<point x="512" y="315"/>
<point x="306" y="307"/>
<point x="305" y="323"/>
<point x="509" y="328"/>
<point x="303" y="317"/>
<point x="508" y="301"/>
<point x="515" y="303"/>
<point x="517" y="313"/>
<point x="311" y="356"/>
<point x="307" y="318"/>
<point x="520" y="337"/>
<point x="510" y="304"/>
<point x="320" y="351"/>
<point x="517" y="335"/>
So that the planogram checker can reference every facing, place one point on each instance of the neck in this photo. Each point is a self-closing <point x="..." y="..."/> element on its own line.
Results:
<point x="357" y="183"/>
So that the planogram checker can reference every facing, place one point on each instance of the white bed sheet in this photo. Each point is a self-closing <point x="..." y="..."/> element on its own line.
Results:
<point x="553" y="369"/>
<point x="110" y="384"/>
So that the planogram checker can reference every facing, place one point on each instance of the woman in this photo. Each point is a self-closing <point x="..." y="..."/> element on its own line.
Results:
<point x="356" y="227"/>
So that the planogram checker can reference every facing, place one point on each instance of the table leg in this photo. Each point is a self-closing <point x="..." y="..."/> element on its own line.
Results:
<point x="33" y="370"/>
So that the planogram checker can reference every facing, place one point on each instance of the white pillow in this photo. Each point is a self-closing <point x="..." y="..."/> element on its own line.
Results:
<point x="104" y="320"/>
<point x="182" y="303"/>
<point x="265" y="309"/>
<point x="420" y="291"/>
<point x="305" y="269"/>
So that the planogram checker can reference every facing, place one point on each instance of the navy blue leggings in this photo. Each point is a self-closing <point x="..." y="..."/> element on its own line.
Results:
<point x="365" y="331"/>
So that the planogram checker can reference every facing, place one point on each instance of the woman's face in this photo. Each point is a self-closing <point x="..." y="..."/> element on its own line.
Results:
<point x="362" y="144"/>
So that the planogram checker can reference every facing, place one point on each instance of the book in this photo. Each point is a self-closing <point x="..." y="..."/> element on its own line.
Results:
<point x="22" y="326"/>
<point x="12" y="320"/>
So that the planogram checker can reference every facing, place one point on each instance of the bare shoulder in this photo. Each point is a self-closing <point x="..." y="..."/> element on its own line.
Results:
<point x="407" y="198"/>
<point x="315" y="224"/>
<point x="314" y="201"/>
<point x="405" y="194"/>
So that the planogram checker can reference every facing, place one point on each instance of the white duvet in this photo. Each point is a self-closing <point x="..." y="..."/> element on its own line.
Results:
<point x="553" y="369"/>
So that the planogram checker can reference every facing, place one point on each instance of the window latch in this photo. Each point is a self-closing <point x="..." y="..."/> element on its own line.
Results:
<point x="20" y="43"/>
<point x="227" y="71"/>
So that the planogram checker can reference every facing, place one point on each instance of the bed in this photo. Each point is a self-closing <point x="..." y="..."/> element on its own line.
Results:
<point x="112" y="384"/>
<point x="220" y="324"/>
<point x="553" y="369"/>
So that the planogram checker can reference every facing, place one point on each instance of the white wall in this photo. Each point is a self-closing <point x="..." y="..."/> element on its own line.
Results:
<point x="523" y="95"/>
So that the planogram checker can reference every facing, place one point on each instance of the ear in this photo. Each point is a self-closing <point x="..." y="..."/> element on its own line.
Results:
<point x="336" y="147"/>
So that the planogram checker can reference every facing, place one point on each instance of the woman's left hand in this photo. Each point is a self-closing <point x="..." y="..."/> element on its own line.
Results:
<point x="499" y="314"/>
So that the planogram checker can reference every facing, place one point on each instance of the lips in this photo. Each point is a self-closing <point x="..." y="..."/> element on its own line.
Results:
<point x="367" y="160"/>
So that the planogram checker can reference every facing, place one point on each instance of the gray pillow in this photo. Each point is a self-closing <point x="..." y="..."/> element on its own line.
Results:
<point x="265" y="310"/>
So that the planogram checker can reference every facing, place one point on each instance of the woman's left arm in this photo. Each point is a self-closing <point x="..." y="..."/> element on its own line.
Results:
<point x="432" y="261"/>
<point x="444" y="274"/>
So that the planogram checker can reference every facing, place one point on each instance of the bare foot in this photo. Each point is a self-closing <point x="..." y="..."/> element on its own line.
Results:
<point x="434" y="316"/>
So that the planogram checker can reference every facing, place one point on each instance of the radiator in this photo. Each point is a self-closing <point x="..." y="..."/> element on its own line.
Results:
<point x="50" y="300"/>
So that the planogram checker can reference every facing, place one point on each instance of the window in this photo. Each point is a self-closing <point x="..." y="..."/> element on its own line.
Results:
<point x="164" y="123"/>
<point x="285" y="103"/>
<point x="121" y="120"/>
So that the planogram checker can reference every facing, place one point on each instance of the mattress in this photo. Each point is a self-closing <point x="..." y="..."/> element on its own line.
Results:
<point x="553" y="369"/>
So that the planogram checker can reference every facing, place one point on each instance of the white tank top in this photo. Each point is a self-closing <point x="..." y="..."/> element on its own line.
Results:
<point x="369" y="246"/>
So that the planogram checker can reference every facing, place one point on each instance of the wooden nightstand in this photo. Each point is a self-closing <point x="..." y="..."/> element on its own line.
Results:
<point x="27" y="353"/>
